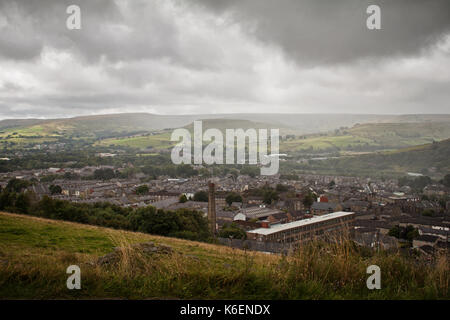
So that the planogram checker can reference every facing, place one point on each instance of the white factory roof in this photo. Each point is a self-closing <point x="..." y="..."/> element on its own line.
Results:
<point x="259" y="212"/>
<point x="300" y="223"/>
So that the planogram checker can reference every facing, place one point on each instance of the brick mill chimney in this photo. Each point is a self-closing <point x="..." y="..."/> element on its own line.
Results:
<point x="212" y="207"/>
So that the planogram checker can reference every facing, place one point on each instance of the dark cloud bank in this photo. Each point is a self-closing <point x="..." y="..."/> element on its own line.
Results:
<point x="203" y="56"/>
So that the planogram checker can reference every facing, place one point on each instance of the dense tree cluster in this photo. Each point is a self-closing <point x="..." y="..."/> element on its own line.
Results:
<point x="55" y="189"/>
<point x="104" y="174"/>
<point x="281" y="188"/>
<point x="201" y="196"/>
<point x="268" y="193"/>
<point x="309" y="199"/>
<point x="415" y="183"/>
<point x="446" y="180"/>
<point x="406" y="233"/>
<point x="233" y="197"/>
<point x="232" y="230"/>
<point x="17" y="185"/>
<point x="182" y="223"/>
<point x="142" y="190"/>
<point x="183" y="198"/>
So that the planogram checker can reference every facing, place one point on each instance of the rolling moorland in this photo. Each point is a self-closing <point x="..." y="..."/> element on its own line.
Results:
<point x="367" y="137"/>
<point x="145" y="130"/>
<point x="430" y="159"/>
<point x="129" y="122"/>
<point x="382" y="145"/>
<point x="35" y="252"/>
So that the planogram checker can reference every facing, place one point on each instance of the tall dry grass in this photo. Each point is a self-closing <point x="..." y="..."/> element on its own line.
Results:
<point x="333" y="269"/>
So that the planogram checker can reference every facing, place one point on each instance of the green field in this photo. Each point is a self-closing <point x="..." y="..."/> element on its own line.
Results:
<point x="323" y="143"/>
<point x="35" y="252"/>
<point x="126" y="130"/>
<point x="158" y="141"/>
<point x="378" y="136"/>
<point x="367" y="137"/>
<point x="36" y="134"/>
<point x="371" y="137"/>
<point x="162" y="140"/>
<point x="430" y="159"/>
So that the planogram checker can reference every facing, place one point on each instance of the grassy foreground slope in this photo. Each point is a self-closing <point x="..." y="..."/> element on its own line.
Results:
<point x="35" y="252"/>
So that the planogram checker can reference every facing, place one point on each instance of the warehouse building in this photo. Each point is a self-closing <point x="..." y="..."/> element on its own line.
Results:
<point x="304" y="230"/>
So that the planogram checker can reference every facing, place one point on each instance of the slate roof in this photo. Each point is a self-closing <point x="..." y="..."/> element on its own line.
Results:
<point x="324" y="206"/>
<point x="427" y="238"/>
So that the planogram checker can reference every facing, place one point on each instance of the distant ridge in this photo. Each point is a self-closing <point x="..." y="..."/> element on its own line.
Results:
<point x="302" y="123"/>
<point x="430" y="159"/>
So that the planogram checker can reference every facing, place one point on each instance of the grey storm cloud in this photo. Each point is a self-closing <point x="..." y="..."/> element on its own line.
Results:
<point x="330" y="31"/>
<point x="309" y="31"/>
<point x="131" y="31"/>
<point x="30" y="25"/>
<point x="205" y="56"/>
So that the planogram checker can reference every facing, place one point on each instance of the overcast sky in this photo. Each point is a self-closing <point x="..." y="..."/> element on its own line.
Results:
<point x="223" y="56"/>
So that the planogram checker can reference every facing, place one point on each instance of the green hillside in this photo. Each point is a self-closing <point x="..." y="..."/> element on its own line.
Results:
<point x="371" y="137"/>
<point x="161" y="140"/>
<point x="223" y="124"/>
<point x="365" y="137"/>
<point x="430" y="159"/>
<point x="35" y="252"/>
<point x="92" y="126"/>
<point x="158" y="141"/>
<point x="15" y="123"/>
<point x="147" y="130"/>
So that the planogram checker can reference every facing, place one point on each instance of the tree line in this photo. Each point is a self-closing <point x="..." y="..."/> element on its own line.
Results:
<point x="181" y="223"/>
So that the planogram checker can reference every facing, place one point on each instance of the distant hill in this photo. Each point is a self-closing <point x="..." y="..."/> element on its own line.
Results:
<point x="227" y="123"/>
<point x="130" y="122"/>
<point x="312" y="123"/>
<point x="371" y="137"/>
<point x="162" y="139"/>
<point x="432" y="159"/>
<point x="367" y="132"/>
<point x="15" y="123"/>
<point x="98" y="125"/>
